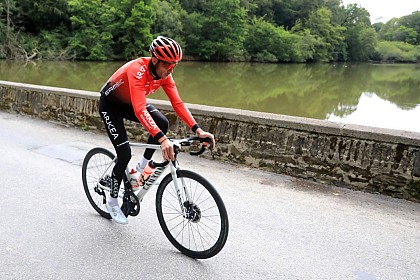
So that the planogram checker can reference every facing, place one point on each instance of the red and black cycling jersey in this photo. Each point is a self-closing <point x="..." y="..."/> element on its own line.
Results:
<point x="130" y="85"/>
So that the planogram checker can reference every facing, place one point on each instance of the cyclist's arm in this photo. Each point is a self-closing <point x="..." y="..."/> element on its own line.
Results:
<point x="182" y="111"/>
<point x="179" y="107"/>
<point x="137" y="76"/>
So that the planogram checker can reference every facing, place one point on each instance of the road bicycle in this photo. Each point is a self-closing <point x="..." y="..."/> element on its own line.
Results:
<point x="190" y="211"/>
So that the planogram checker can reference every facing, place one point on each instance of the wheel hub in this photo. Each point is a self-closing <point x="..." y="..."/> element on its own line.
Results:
<point x="193" y="213"/>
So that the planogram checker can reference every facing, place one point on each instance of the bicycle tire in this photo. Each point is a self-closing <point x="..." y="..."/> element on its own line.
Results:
<point x="198" y="244"/>
<point x="97" y="162"/>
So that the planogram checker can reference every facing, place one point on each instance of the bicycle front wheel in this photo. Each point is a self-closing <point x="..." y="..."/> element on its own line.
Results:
<point x="197" y="228"/>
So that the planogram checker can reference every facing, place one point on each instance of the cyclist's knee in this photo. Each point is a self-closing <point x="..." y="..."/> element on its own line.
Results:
<point x="164" y="125"/>
<point x="124" y="154"/>
<point x="159" y="118"/>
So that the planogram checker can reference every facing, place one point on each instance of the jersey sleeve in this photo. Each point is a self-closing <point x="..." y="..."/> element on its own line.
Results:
<point x="137" y="78"/>
<point x="179" y="107"/>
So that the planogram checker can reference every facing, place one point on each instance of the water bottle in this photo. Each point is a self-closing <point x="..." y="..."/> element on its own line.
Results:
<point x="134" y="179"/>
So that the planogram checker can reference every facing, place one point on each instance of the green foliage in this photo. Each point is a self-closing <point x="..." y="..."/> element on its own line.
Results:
<point x="405" y="34"/>
<point x="53" y="45"/>
<point x="193" y="24"/>
<point x="267" y="43"/>
<point x="260" y="41"/>
<point x="360" y="35"/>
<point x="307" y="45"/>
<point x="404" y="29"/>
<point x="169" y="20"/>
<point x="196" y="6"/>
<point x="218" y="30"/>
<point x="136" y="36"/>
<point x="331" y="40"/>
<point x="90" y="20"/>
<point x="397" y="52"/>
<point x="222" y="29"/>
<point x="47" y="15"/>
<point x="412" y="21"/>
<point x="287" y="13"/>
<point x="110" y="29"/>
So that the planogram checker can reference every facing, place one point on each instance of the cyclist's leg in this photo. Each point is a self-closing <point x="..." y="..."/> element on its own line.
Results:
<point x="115" y="128"/>
<point x="163" y="123"/>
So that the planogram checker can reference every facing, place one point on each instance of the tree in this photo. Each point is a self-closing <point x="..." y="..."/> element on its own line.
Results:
<point x="169" y="20"/>
<point x="360" y="36"/>
<point x="413" y="22"/>
<point x="110" y="29"/>
<point x="219" y="32"/>
<point x="267" y="43"/>
<point x="11" y="46"/>
<point x="37" y="15"/>
<point x="193" y="24"/>
<point x="134" y="37"/>
<point x="196" y="6"/>
<point x="259" y="42"/>
<point x="90" y="38"/>
<point x="405" y="34"/>
<point x="404" y="29"/>
<point x="330" y="37"/>
<point x="307" y="45"/>
<point x="288" y="12"/>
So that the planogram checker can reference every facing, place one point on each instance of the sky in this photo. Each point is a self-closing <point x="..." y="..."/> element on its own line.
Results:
<point x="384" y="10"/>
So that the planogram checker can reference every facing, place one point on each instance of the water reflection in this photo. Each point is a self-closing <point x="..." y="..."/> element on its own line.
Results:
<point x="322" y="91"/>
<point x="377" y="112"/>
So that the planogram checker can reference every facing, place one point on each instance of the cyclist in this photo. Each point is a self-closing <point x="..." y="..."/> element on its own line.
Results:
<point x="124" y="97"/>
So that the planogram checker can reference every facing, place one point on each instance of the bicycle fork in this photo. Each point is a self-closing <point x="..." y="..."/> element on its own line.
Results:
<point x="184" y="197"/>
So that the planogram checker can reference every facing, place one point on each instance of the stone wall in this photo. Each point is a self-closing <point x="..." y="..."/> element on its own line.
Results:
<point x="356" y="157"/>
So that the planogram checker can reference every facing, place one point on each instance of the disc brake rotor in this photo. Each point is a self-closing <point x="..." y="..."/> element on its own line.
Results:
<point x="193" y="213"/>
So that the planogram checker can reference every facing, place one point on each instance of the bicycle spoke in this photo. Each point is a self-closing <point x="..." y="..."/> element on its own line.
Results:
<point x="198" y="236"/>
<point x="97" y="163"/>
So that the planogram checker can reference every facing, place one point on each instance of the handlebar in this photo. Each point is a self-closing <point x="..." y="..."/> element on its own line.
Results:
<point x="183" y="143"/>
<point x="203" y="148"/>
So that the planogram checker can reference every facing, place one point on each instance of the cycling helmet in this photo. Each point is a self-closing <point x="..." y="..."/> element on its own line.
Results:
<point x="166" y="49"/>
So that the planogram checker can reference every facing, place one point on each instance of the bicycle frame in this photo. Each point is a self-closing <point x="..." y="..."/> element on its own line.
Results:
<point x="156" y="175"/>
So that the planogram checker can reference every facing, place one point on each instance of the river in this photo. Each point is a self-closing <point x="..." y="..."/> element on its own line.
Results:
<point x="379" y="95"/>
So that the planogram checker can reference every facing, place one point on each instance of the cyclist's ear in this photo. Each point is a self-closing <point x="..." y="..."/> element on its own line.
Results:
<point x="154" y="61"/>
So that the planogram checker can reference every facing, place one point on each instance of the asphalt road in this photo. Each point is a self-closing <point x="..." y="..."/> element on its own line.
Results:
<point x="280" y="227"/>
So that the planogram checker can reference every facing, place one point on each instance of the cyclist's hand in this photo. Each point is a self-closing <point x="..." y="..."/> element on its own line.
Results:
<point x="167" y="149"/>
<point x="203" y="134"/>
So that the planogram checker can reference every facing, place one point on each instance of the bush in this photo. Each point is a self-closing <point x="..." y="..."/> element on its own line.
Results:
<point x="396" y="52"/>
<point x="269" y="43"/>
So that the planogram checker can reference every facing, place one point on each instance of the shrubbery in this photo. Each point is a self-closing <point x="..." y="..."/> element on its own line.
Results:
<point x="217" y="30"/>
<point x="397" y="52"/>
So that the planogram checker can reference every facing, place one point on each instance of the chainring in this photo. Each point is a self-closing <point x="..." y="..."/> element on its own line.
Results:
<point x="131" y="204"/>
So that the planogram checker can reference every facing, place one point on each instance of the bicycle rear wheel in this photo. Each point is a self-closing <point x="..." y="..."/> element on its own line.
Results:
<point x="199" y="228"/>
<point x="98" y="164"/>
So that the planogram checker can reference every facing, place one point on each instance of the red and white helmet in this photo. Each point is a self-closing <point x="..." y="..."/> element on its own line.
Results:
<point x="166" y="49"/>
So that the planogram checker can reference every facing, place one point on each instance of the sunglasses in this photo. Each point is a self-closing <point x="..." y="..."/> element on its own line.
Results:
<point x="167" y="65"/>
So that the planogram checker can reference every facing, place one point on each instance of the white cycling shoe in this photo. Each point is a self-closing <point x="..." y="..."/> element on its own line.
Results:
<point x="116" y="214"/>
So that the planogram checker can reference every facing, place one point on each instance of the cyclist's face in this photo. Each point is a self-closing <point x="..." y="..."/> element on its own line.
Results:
<point x="164" y="69"/>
